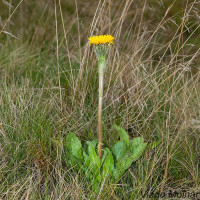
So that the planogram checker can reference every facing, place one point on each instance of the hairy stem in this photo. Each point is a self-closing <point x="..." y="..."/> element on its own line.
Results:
<point x="101" y="73"/>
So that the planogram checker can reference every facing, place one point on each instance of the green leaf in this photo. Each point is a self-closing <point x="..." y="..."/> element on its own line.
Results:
<point x="123" y="134"/>
<point x="92" y="162"/>
<point x="95" y="186"/>
<point x="73" y="146"/>
<point x="93" y="156"/>
<point x="138" y="151"/>
<point x="119" y="150"/>
<point x="108" y="165"/>
<point x="154" y="144"/>
<point x="105" y="153"/>
<point x="121" y="166"/>
<point x="73" y="161"/>
<point x="94" y="142"/>
<point x="135" y="150"/>
<point x="136" y="141"/>
<point x="137" y="146"/>
<point x="86" y="165"/>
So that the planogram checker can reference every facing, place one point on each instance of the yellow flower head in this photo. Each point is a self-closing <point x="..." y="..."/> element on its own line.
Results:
<point x="101" y="39"/>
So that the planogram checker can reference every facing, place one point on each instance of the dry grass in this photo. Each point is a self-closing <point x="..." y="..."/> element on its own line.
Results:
<point x="49" y="86"/>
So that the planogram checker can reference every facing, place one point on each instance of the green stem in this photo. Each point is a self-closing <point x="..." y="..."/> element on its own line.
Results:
<point x="102" y="65"/>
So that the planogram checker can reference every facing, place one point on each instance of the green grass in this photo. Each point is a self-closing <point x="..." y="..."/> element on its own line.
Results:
<point x="151" y="90"/>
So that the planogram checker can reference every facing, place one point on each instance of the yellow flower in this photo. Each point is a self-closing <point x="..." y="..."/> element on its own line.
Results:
<point x="101" y="39"/>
